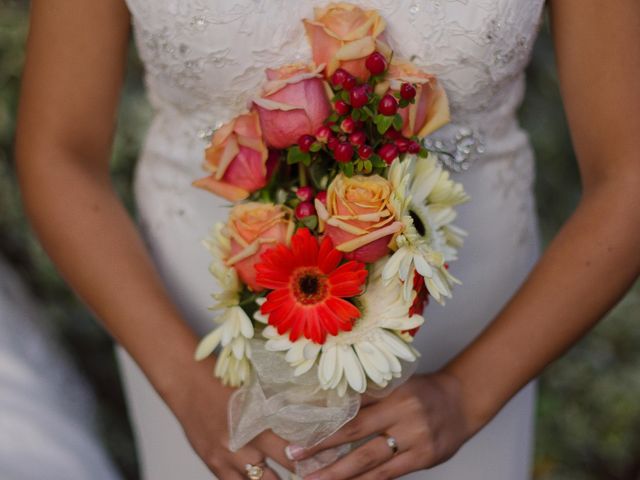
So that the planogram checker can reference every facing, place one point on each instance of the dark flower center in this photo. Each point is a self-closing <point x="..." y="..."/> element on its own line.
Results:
<point x="309" y="285"/>
<point x="417" y="222"/>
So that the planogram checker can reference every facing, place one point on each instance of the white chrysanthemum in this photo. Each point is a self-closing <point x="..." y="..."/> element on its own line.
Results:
<point x="236" y="329"/>
<point x="233" y="335"/>
<point x="424" y="199"/>
<point x="219" y="245"/>
<point x="370" y="352"/>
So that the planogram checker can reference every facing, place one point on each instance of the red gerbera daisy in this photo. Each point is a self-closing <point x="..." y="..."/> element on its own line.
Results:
<point x="309" y="286"/>
<point x="421" y="300"/>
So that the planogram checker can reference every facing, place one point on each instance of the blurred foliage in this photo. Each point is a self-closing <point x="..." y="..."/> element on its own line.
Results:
<point x="589" y="413"/>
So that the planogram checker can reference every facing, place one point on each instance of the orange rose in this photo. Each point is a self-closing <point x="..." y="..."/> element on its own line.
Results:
<point x="431" y="108"/>
<point x="253" y="228"/>
<point x="358" y="216"/>
<point x="342" y="36"/>
<point x="237" y="159"/>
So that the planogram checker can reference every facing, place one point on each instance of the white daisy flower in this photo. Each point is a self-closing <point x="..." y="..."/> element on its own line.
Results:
<point x="424" y="199"/>
<point x="236" y="329"/>
<point x="370" y="352"/>
<point x="234" y="334"/>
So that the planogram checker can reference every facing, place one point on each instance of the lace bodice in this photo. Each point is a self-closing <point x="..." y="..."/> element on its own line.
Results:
<point x="205" y="58"/>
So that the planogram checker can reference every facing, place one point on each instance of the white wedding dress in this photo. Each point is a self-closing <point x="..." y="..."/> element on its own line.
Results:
<point x="205" y="58"/>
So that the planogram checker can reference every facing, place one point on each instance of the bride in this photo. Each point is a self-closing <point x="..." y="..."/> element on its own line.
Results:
<point x="468" y="413"/>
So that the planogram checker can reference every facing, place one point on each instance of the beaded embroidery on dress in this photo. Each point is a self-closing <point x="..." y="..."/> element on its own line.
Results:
<point x="203" y="60"/>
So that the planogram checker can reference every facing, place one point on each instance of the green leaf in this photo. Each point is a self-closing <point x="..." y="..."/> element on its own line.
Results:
<point x="377" y="161"/>
<point x="311" y="222"/>
<point x="423" y="153"/>
<point x="368" y="166"/>
<point x="355" y="114"/>
<point x="383" y="123"/>
<point x="347" y="169"/>
<point x="295" y="155"/>
<point x="397" y="122"/>
<point x="403" y="103"/>
<point x="315" y="147"/>
<point x="334" y="117"/>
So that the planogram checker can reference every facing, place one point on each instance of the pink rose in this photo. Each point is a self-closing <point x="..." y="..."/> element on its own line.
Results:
<point x="431" y="108"/>
<point x="343" y="36"/>
<point x="236" y="159"/>
<point x="358" y="216"/>
<point x="253" y="228"/>
<point x="294" y="102"/>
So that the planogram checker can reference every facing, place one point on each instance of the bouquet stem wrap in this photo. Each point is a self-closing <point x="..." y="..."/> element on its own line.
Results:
<point x="295" y="408"/>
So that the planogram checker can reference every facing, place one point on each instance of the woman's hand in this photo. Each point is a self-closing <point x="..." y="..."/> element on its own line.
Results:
<point x="202" y="411"/>
<point x="425" y="416"/>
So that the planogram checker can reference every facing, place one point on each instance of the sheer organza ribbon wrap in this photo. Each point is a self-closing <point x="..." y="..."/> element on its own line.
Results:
<point x="295" y="408"/>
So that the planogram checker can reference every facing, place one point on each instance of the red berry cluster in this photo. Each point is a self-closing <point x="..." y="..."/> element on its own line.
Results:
<point x="306" y="195"/>
<point x="363" y="133"/>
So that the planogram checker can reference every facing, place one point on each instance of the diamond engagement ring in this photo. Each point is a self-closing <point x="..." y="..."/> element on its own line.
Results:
<point x="254" y="472"/>
<point x="392" y="442"/>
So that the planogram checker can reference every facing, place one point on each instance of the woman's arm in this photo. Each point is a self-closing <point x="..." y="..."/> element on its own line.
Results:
<point x="72" y="79"/>
<point x="595" y="258"/>
<point x="587" y="268"/>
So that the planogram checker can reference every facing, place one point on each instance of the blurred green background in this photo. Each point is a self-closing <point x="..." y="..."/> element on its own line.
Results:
<point x="589" y="409"/>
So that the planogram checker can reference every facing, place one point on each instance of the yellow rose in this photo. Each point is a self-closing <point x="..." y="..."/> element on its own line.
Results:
<point x="358" y="216"/>
<point x="342" y="36"/>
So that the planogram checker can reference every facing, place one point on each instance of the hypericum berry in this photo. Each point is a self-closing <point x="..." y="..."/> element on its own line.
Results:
<point x="388" y="105"/>
<point x="348" y="125"/>
<point x="304" y="194"/>
<point x="339" y="76"/>
<point x="342" y="107"/>
<point x="388" y="152"/>
<point x="392" y="134"/>
<point x="376" y="63"/>
<point x="305" y="142"/>
<point x="343" y="152"/>
<point x="359" y="96"/>
<point x="304" y="209"/>
<point x="414" y="147"/>
<point x="322" y="196"/>
<point x="403" y="144"/>
<point x="407" y="91"/>
<point x="349" y="82"/>
<point x="323" y="134"/>
<point x="365" y="152"/>
<point x="332" y="143"/>
<point x="358" y="138"/>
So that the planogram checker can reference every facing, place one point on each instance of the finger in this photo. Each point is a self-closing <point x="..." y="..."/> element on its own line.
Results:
<point x="363" y="459"/>
<point x="371" y="420"/>
<point x="273" y="446"/>
<point x="251" y="456"/>
<point x="399" y="465"/>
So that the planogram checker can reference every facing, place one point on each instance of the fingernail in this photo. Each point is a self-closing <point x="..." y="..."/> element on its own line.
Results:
<point x="293" y="451"/>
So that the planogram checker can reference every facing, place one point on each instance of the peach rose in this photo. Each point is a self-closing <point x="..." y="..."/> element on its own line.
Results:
<point x="431" y="108"/>
<point x="236" y="159"/>
<point x="293" y="102"/>
<point x="253" y="228"/>
<point x="343" y="35"/>
<point x="358" y="216"/>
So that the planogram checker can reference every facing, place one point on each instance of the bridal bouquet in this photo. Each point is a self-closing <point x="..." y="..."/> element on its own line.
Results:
<point x="339" y="233"/>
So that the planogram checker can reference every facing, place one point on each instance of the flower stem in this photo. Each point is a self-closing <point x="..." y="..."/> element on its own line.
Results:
<point x="302" y="172"/>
